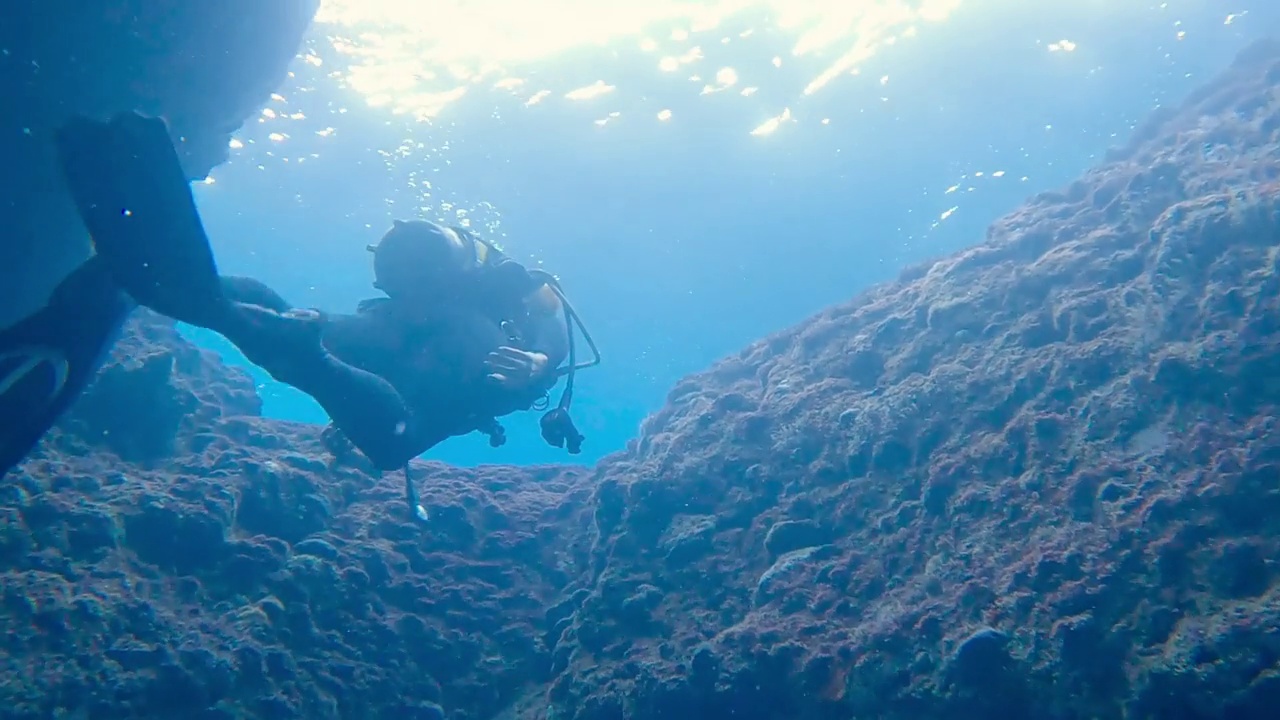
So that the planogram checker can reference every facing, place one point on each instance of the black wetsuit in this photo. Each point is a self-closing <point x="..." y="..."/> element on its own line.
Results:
<point x="133" y="197"/>
<point x="435" y="366"/>
<point x="394" y="390"/>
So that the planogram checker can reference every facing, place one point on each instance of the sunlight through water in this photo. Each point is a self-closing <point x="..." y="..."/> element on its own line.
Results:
<point x="420" y="58"/>
<point x="401" y="83"/>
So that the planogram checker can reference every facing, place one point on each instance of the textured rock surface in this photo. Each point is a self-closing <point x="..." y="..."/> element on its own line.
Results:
<point x="203" y="66"/>
<point x="155" y="397"/>
<point x="251" y="582"/>
<point x="233" y="574"/>
<point x="1034" y="480"/>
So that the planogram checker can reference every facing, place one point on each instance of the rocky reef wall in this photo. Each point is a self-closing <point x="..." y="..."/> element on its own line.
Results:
<point x="1037" y="479"/>
<point x="203" y="66"/>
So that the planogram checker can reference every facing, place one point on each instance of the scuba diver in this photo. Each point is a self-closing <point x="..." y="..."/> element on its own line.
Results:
<point x="450" y="299"/>
<point x="464" y="334"/>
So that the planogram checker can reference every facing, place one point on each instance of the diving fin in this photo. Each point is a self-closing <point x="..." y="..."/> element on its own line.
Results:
<point x="136" y="202"/>
<point x="47" y="359"/>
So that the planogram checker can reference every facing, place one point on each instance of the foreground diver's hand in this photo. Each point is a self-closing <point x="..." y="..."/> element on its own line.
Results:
<point x="515" y="369"/>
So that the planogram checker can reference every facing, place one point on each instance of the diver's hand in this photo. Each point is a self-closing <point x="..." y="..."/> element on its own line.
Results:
<point x="514" y="369"/>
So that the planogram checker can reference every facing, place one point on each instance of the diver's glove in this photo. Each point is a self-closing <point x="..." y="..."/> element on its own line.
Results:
<point x="496" y="433"/>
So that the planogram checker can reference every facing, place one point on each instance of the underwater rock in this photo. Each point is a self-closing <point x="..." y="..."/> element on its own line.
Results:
<point x="790" y="535"/>
<point x="205" y="67"/>
<point x="155" y="396"/>
<point x="425" y="710"/>
<point x="318" y="547"/>
<point x="143" y="385"/>
<point x="688" y="539"/>
<point x="153" y="563"/>
<point x="1068" y="432"/>
<point x="981" y="655"/>
<point x="1063" y="430"/>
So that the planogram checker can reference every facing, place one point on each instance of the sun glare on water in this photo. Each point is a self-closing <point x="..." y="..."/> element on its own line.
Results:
<point x="419" y="64"/>
<point x="416" y="66"/>
<point x="418" y="58"/>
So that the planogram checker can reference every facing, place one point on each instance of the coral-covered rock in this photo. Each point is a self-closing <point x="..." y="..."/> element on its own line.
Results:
<point x="205" y="67"/>
<point x="246" y="581"/>
<point x="1033" y="480"/>
<point x="156" y="395"/>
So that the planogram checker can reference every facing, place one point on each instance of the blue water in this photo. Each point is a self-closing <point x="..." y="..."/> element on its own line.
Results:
<point x="682" y="241"/>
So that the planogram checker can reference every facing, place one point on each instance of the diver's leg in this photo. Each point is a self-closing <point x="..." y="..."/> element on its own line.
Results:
<point x="47" y="359"/>
<point x="364" y="406"/>
<point x="136" y="202"/>
<point x="249" y="291"/>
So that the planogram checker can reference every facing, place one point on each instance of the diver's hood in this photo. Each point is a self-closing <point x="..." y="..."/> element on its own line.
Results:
<point x="416" y="254"/>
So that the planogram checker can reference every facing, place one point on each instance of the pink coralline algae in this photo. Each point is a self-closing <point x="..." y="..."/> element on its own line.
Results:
<point x="1037" y="479"/>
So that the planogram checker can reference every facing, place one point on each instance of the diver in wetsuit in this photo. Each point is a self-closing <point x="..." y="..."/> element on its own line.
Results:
<point x="464" y="334"/>
<point x="454" y="304"/>
<point x="439" y="356"/>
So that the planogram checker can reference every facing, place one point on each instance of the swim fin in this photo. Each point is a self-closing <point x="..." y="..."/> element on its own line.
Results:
<point x="136" y="202"/>
<point x="47" y="359"/>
